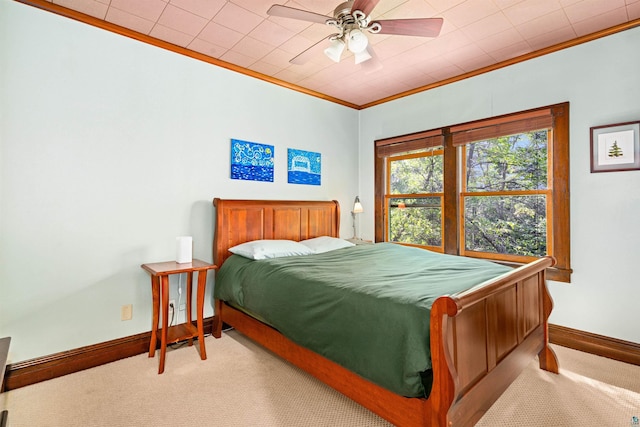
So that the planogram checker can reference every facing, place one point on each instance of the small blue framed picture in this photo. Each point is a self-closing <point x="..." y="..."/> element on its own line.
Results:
<point x="251" y="161"/>
<point x="303" y="167"/>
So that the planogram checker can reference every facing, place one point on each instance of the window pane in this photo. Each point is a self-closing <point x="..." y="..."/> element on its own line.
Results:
<point x="509" y="163"/>
<point x="515" y="225"/>
<point x="417" y="221"/>
<point x="416" y="175"/>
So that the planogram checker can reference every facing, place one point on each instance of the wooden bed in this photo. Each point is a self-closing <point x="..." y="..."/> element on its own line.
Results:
<point x="481" y="339"/>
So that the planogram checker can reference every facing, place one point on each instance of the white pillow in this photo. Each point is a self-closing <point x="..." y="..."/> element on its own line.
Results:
<point x="263" y="249"/>
<point x="325" y="244"/>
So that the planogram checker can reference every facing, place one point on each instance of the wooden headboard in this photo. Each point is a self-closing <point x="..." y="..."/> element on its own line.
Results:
<point x="239" y="221"/>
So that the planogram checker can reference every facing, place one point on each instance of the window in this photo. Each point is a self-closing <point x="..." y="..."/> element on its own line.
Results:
<point x="503" y="197"/>
<point x="415" y="198"/>
<point x="494" y="188"/>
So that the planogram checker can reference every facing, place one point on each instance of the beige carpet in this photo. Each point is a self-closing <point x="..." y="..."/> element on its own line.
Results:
<point x="241" y="384"/>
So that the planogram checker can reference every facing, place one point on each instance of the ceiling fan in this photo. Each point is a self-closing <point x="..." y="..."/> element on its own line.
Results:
<point x="352" y="20"/>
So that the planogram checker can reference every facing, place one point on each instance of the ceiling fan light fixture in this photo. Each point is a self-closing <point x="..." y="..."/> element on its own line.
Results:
<point x="351" y="22"/>
<point x="362" y="56"/>
<point x="334" y="52"/>
<point x="357" y="41"/>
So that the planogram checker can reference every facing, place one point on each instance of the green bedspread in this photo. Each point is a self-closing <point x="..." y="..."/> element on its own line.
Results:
<point x="365" y="307"/>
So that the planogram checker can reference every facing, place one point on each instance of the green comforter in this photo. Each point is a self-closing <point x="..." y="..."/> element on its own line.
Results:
<point x="365" y="307"/>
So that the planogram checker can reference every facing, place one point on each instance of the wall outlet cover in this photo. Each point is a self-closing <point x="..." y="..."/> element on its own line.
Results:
<point x="126" y="312"/>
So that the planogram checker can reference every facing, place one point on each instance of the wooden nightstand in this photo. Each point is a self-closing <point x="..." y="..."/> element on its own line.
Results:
<point x="160" y="272"/>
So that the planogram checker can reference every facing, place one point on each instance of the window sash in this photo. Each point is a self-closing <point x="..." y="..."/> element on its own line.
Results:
<point x="440" y="205"/>
<point x="463" y="164"/>
<point x="505" y="256"/>
<point x="431" y="152"/>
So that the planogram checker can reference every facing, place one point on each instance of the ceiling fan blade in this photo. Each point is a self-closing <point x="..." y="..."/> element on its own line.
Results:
<point x="373" y="64"/>
<point x="423" y="27"/>
<point x="290" y="12"/>
<point x="304" y="56"/>
<point x="364" y="6"/>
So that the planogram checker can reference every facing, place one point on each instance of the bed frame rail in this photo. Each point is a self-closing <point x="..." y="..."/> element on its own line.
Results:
<point x="400" y="411"/>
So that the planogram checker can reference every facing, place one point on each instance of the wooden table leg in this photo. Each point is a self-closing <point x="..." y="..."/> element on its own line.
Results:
<point x="165" y="321"/>
<point x="216" y="329"/>
<point x="155" y="291"/>
<point x="189" y="298"/>
<point x="202" y="283"/>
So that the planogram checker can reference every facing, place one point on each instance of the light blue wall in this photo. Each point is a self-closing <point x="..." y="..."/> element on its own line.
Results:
<point x="601" y="81"/>
<point x="109" y="149"/>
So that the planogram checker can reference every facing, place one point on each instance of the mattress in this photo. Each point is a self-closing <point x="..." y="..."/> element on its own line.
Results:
<point x="365" y="307"/>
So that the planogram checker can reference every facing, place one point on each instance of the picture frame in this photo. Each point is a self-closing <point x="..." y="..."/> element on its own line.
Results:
<point x="615" y="147"/>
<point x="251" y="161"/>
<point x="304" y="167"/>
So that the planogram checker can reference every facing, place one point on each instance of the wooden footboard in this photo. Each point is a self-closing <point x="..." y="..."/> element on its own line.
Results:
<point x="481" y="340"/>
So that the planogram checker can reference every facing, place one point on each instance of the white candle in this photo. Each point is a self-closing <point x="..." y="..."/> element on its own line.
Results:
<point x="184" y="246"/>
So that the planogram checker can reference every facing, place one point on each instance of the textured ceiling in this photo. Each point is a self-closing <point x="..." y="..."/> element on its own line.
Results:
<point x="477" y="35"/>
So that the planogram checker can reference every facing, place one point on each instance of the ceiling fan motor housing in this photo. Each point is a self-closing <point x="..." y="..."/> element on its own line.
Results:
<point x="345" y="19"/>
<point x="343" y="11"/>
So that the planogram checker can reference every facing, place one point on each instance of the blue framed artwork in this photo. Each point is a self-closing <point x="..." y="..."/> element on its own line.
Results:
<point x="303" y="167"/>
<point x="251" y="161"/>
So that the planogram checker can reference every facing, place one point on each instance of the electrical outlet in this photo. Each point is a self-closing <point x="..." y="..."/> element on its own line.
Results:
<point x="172" y="303"/>
<point x="126" y="312"/>
<point x="182" y="307"/>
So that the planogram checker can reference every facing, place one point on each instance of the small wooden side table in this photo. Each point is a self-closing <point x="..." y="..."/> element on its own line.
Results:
<point x="160" y="272"/>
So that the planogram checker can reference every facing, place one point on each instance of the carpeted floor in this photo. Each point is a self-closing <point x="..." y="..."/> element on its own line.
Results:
<point x="590" y="391"/>
<point x="241" y="384"/>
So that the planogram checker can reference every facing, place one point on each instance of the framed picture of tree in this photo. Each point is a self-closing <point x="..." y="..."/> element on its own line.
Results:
<point x="615" y="147"/>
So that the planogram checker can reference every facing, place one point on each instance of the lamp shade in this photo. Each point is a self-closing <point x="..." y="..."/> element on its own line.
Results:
<point x="357" y="206"/>
<point x="357" y="41"/>
<point x="334" y="52"/>
<point x="362" y="56"/>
